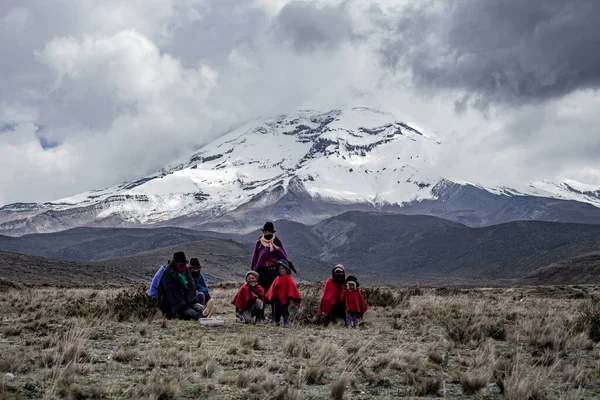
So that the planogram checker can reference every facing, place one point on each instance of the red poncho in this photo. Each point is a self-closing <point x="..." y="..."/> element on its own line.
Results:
<point x="332" y="294"/>
<point x="284" y="288"/>
<point x="246" y="298"/>
<point x="355" y="302"/>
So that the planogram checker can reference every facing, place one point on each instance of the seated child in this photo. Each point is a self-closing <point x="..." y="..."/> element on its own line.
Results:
<point x="283" y="291"/>
<point x="249" y="300"/>
<point x="199" y="281"/>
<point x="356" y="306"/>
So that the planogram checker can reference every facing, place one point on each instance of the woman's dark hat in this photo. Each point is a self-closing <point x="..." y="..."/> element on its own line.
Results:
<point x="179" y="258"/>
<point x="268" y="227"/>
<point x="194" y="262"/>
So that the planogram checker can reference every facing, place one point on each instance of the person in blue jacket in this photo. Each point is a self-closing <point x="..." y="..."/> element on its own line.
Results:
<point x="153" y="292"/>
<point x="201" y="286"/>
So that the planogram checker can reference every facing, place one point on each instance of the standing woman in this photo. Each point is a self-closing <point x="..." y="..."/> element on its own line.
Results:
<point x="267" y="251"/>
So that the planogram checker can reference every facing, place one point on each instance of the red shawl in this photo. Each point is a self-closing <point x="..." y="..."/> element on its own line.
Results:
<point x="332" y="294"/>
<point x="246" y="298"/>
<point x="355" y="302"/>
<point x="284" y="288"/>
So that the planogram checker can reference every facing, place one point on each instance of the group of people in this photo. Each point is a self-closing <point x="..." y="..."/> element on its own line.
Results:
<point x="182" y="291"/>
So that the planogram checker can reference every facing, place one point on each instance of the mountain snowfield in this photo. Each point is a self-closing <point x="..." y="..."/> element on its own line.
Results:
<point x="351" y="156"/>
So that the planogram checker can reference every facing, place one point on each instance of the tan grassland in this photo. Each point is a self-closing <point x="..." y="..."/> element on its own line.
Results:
<point x="485" y="343"/>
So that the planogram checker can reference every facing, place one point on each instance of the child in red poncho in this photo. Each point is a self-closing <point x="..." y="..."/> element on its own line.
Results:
<point x="356" y="306"/>
<point x="283" y="291"/>
<point x="249" y="300"/>
<point x="332" y="306"/>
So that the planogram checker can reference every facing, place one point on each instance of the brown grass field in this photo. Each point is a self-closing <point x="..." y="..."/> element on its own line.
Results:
<point x="486" y="343"/>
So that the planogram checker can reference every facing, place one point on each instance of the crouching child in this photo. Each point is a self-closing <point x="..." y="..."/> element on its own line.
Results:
<point x="356" y="306"/>
<point x="282" y="293"/>
<point x="249" y="300"/>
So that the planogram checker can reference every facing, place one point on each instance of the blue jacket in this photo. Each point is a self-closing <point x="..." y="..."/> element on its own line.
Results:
<point x="201" y="286"/>
<point x="155" y="281"/>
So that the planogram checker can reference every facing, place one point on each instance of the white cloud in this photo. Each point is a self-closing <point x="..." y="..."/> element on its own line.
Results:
<point x="14" y="21"/>
<point x="14" y="114"/>
<point x="124" y="88"/>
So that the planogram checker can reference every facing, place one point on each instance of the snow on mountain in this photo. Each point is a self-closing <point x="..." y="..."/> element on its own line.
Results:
<point x="568" y="190"/>
<point x="346" y="156"/>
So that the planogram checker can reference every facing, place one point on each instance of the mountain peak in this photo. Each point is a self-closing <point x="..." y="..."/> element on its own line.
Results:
<point x="353" y="157"/>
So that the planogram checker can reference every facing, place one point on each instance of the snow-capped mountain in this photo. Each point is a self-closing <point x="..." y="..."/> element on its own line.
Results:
<point x="305" y="167"/>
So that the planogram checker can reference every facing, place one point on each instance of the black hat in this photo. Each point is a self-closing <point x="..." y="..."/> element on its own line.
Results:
<point x="194" y="262"/>
<point x="287" y="265"/>
<point x="268" y="227"/>
<point x="179" y="258"/>
<point x="352" y="279"/>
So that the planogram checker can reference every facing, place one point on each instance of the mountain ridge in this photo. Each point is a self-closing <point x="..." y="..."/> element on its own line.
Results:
<point x="378" y="247"/>
<point x="306" y="166"/>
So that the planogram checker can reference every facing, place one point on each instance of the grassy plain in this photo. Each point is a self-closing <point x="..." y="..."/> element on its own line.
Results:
<point x="484" y="343"/>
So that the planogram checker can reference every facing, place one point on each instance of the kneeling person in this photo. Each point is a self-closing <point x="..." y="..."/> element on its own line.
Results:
<point x="249" y="300"/>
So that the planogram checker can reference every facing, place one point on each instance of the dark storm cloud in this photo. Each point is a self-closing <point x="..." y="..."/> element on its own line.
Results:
<point x="308" y="26"/>
<point x="507" y="50"/>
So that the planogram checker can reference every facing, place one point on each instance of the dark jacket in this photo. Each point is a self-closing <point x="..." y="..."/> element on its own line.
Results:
<point x="173" y="297"/>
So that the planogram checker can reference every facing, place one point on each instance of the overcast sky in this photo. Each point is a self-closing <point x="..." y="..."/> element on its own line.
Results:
<point x="93" y="93"/>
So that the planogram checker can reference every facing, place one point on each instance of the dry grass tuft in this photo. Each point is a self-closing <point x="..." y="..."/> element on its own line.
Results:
<point x="533" y="384"/>
<point x="545" y="336"/>
<point x="427" y="386"/>
<point x="314" y="374"/>
<point x="15" y="362"/>
<point x="575" y="374"/>
<point x="327" y="354"/>
<point x="209" y="368"/>
<point x="290" y="393"/>
<point x="473" y="382"/>
<point x="580" y="341"/>
<point x="124" y="355"/>
<point x="409" y="362"/>
<point x="250" y="341"/>
<point x="161" y="387"/>
<point x="437" y="356"/>
<point x="338" y="388"/>
<point x="69" y="347"/>
<point x="243" y="379"/>
<point x="381" y="362"/>
<point x="12" y="331"/>
<point x="291" y="347"/>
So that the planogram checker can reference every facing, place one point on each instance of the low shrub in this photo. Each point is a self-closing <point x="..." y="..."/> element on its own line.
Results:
<point x="462" y="328"/>
<point x="311" y="299"/>
<point x="132" y="303"/>
<point x="83" y="308"/>
<point x="588" y="320"/>
<point x="383" y="297"/>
